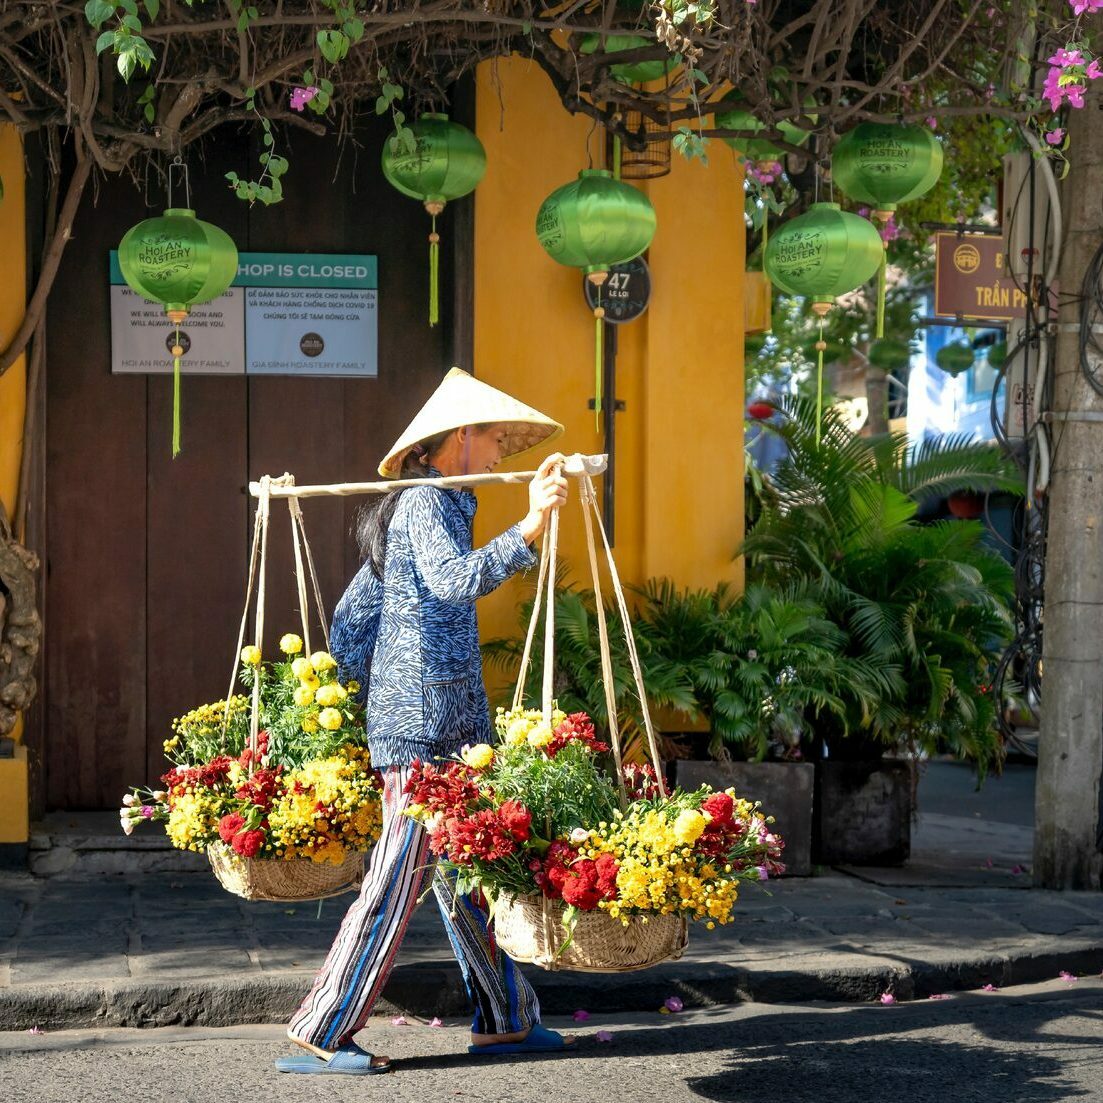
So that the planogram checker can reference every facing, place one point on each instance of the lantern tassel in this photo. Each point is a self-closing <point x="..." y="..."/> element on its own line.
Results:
<point x="434" y="274"/>
<point x="599" y="362"/>
<point x="616" y="156"/>
<point x="882" y="273"/>
<point x="177" y="351"/>
<point x="821" y="344"/>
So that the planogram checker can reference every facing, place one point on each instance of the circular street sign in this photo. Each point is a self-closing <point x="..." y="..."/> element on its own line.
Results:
<point x="625" y="293"/>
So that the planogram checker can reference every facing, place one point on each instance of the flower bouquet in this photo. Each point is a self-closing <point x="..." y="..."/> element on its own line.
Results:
<point x="284" y="802"/>
<point x="584" y="870"/>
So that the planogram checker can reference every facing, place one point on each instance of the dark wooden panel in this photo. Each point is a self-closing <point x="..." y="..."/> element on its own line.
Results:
<point x="197" y="541"/>
<point x="96" y="543"/>
<point x="147" y="555"/>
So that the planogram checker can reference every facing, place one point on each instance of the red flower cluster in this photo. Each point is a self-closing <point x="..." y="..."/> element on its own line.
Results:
<point x="580" y="882"/>
<point x="516" y="818"/>
<point x="210" y="774"/>
<point x="722" y="830"/>
<point x="576" y="728"/>
<point x="260" y="788"/>
<point x="482" y="836"/>
<point x="640" y="781"/>
<point x="231" y="830"/>
<point x="448" y="790"/>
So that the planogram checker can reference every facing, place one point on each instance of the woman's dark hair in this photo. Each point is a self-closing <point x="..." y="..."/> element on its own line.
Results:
<point x="374" y="518"/>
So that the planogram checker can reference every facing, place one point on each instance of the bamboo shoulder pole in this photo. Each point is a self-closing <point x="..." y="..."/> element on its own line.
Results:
<point x="576" y="466"/>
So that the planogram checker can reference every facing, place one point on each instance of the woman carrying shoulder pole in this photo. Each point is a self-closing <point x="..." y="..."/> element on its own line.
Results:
<point x="406" y="630"/>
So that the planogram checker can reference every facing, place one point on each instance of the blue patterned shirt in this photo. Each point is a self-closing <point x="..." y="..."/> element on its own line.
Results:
<point x="412" y="640"/>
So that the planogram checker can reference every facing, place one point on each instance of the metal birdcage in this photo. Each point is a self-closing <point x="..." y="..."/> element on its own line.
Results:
<point x="653" y="160"/>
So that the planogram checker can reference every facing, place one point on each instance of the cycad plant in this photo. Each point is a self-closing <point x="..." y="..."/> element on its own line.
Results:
<point x="840" y="517"/>
<point x="762" y="665"/>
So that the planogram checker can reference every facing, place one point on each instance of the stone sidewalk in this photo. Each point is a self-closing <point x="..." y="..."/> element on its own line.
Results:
<point x="168" y="948"/>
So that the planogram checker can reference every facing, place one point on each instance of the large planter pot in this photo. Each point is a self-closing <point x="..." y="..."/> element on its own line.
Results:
<point x="863" y="812"/>
<point x="785" y="789"/>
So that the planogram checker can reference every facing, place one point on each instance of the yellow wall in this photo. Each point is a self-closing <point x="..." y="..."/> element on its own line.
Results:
<point x="679" y="489"/>
<point x="13" y="394"/>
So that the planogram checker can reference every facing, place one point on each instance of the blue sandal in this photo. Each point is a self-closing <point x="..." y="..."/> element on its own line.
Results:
<point x="348" y="1060"/>
<point x="538" y="1040"/>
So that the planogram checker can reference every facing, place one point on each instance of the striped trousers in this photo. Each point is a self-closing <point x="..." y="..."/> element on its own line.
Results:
<point x="362" y="955"/>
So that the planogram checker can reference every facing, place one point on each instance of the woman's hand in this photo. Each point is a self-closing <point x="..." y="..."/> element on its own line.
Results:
<point x="547" y="491"/>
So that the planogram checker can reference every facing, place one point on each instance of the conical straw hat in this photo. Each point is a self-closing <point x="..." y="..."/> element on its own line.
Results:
<point x="460" y="400"/>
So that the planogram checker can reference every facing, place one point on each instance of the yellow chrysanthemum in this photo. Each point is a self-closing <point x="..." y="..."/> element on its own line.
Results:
<point x="688" y="826"/>
<point x="312" y="682"/>
<point x="540" y="736"/>
<point x="478" y="757"/>
<point x="291" y="644"/>
<point x="353" y="686"/>
<point x="303" y="696"/>
<point x="301" y="667"/>
<point x="327" y="695"/>
<point x="323" y="660"/>
<point x="330" y="719"/>
<point x="310" y="724"/>
<point x="250" y="655"/>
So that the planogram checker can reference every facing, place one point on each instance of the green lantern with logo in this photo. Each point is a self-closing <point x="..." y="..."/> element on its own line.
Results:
<point x="179" y="261"/>
<point x="884" y="165"/>
<point x="591" y="224"/>
<point x="820" y="254"/>
<point x="447" y="162"/>
<point x="997" y="355"/>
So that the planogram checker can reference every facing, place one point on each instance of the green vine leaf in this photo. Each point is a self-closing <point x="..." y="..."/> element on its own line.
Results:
<point x="98" y="12"/>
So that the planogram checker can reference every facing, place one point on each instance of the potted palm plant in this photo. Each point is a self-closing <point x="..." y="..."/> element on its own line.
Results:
<point x="932" y="600"/>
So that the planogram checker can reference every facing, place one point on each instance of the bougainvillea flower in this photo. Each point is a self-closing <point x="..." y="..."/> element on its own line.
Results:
<point x="887" y="998"/>
<point x="673" y="1004"/>
<point x="580" y="1016"/>
<point x="603" y="1036"/>
<point x="300" y="97"/>
<point x="1067" y="976"/>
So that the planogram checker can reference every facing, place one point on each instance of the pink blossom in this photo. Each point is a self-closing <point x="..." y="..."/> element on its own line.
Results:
<point x="300" y="97"/>
<point x="1016" y="870"/>
<point x="932" y="122"/>
<point x="1066" y="58"/>
<point x="435" y="1021"/>
<point x="887" y="998"/>
<point x="604" y="1036"/>
<point x="763" y="873"/>
<point x="673" y="1003"/>
<point x="580" y="1016"/>
<point x="989" y="988"/>
<point x="36" y="1029"/>
<point x="1067" y="976"/>
<point x="1093" y="71"/>
<point x="399" y="1020"/>
<point x="1081" y="6"/>
<point x="940" y="996"/>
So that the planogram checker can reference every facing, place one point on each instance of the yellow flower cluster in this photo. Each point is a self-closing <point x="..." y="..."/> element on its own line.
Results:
<point x="205" y="722"/>
<point x="326" y="808"/>
<point x="321" y="695"/>
<point x="659" y="870"/>
<point x="520" y="725"/>
<point x="193" y="818"/>
<point x="478" y="757"/>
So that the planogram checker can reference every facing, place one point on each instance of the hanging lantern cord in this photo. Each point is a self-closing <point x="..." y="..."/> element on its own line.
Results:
<point x="434" y="208"/>
<point x="882" y="272"/>
<point x="176" y="316"/>
<point x="179" y="166"/>
<point x="598" y="279"/>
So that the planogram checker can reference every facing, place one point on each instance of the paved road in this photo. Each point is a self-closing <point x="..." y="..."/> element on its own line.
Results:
<point x="1039" y="1044"/>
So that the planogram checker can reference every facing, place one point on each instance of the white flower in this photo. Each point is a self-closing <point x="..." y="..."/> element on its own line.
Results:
<point x="127" y="825"/>
<point x="579" y="835"/>
<point x="129" y="799"/>
<point x="160" y="796"/>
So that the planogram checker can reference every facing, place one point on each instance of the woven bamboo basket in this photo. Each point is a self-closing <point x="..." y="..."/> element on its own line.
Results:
<point x="530" y="928"/>
<point x="284" y="879"/>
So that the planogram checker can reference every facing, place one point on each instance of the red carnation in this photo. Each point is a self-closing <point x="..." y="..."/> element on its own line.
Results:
<point x="482" y="836"/>
<point x="581" y="888"/>
<point x="229" y="826"/>
<point x="576" y="728"/>
<point x="719" y="806"/>
<point x="517" y="819"/>
<point x="442" y="790"/>
<point x="607" y="870"/>
<point x="248" y="843"/>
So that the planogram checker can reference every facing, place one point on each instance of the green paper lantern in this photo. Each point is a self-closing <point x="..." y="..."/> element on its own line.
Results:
<point x="636" y="72"/>
<point x="593" y="223"/>
<point x="885" y="164"/>
<point x="997" y="355"/>
<point x="956" y="357"/>
<point x="889" y="355"/>
<point x="177" y="260"/>
<point x="823" y="253"/>
<point x="446" y="163"/>
<point x="739" y="117"/>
